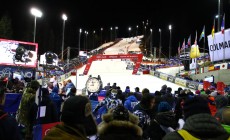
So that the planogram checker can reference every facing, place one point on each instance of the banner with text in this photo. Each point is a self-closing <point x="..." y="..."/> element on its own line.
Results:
<point x="219" y="46"/>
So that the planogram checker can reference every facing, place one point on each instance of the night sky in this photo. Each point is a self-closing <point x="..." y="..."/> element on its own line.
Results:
<point x="186" y="17"/>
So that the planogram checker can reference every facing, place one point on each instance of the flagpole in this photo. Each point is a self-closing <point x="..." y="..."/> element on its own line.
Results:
<point x="213" y="43"/>
<point x="204" y="48"/>
<point x="224" y="39"/>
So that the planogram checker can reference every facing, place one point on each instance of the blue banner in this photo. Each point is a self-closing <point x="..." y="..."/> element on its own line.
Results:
<point x="7" y="71"/>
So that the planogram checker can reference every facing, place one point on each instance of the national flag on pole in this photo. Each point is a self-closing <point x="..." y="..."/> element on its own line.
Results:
<point x="189" y="41"/>
<point x="202" y="33"/>
<point x="213" y="29"/>
<point x="183" y="45"/>
<point x="195" y="42"/>
<point x="222" y="25"/>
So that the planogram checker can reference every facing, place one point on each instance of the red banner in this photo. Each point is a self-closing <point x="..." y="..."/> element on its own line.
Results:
<point x="137" y="58"/>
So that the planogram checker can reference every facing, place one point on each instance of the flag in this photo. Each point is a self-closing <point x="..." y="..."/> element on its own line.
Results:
<point x="183" y="45"/>
<point x="222" y="25"/>
<point x="189" y="41"/>
<point x="179" y="49"/>
<point x="195" y="42"/>
<point x="202" y="33"/>
<point x="213" y="29"/>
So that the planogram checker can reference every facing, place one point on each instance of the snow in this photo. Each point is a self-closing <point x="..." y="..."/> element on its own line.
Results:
<point x="114" y="70"/>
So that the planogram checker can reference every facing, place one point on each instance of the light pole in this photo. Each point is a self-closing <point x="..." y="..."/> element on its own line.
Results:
<point x="160" y="44"/>
<point x="116" y="28"/>
<point x="64" y="17"/>
<point x="170" y="39"/>
<point x="101" y="34"/>
<point x="79" y="41"/>
<point x="137" y="30"/>
<point x="111" y="36"/>
<point x="151" y="35"/>
<point x="94" y="32"/>
<point x="218" y="28"/>
<point x="36" y="13"/>
<point x="130" y="30"/>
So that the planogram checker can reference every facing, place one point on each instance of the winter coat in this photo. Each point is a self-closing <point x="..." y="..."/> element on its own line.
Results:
<point x="130" y="103"/>
<point x="202" y="126"/>
<point x="145" y="116"/>
<point x="111" y="129"/>
<point x="8" y="127"/>
<point x="27" y="101"/>
<point x="163" y="123"/>
<point x="64" y="132"/>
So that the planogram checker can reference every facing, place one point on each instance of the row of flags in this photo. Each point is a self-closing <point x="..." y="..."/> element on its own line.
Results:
<point x="202" y="35"/>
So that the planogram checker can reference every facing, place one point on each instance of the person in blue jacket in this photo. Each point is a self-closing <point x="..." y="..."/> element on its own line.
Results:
<point x="130" y="102"/>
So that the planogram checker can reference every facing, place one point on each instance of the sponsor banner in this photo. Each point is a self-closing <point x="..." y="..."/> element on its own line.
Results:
<point x="181" y="82"/>
<point x="164" y="76"/>
<point x="219" y="46"/>
<point x="192" y="85"/>
<point x="171" y="79"/>
<point x="8" y="71"/>
<point x="18" y="53"/>
<point x="157" y="74"/>
<point x="152" y="72"/>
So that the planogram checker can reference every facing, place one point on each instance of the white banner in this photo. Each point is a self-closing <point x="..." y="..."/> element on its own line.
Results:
<point x="219" y="46"/>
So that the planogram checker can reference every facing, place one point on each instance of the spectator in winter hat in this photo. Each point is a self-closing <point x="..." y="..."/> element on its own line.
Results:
<point x="77" y="121"/>
<point x="221" y="103"/>
<point x="197" y="92"/>
<point x="119" y="124"/>
<point x="199" y="124"/>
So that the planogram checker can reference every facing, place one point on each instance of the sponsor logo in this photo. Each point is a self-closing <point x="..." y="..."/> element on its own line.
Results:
<point x="171" y="79"/>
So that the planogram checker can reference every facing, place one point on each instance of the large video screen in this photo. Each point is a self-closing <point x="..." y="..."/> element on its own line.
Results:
<point x="18" y="53"/>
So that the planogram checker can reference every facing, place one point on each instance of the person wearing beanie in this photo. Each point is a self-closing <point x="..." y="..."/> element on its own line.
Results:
<point x="8" y="125"/>
<point x="164" y="122"/>
<point x="77" y="121"/>
<point x="119" y="124"/>
<point x="197" y="92"/>
<point x="199" y="124"/>
<point x="221" y="103"/>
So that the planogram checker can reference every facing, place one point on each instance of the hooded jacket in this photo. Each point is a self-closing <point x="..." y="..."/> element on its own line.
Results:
<point x="202" y="126"/>
<point x="118" y="129"/>
<point x="130" y="103"/>
<point x="65" y="132"/>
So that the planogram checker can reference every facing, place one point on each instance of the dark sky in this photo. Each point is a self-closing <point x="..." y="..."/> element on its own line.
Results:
<point x="186" y="16"/>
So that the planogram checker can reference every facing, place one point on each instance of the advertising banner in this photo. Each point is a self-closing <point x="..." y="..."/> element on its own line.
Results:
<point x="181" y="82"/>
<point x="192" y="85"/>
<point x="18" y="53"/>
<point x="171" y="79"/>
<point x="157" y="74"/>
<point x="8" y="71"/>
<point x="219" y="46"/>
<point x="164" y="76"/>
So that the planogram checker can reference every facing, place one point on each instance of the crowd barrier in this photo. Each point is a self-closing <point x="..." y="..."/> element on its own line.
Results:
<point x="179" y="81"/>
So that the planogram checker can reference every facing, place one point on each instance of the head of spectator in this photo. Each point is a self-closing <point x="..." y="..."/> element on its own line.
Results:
<point x="34" y="84"/>
<point x="147" y="101"/>
<point x="164" y="107"/>
<point x="225" y="116"/>
<point x="157" y="93"/>
<point x="195" y="105"/>
<point x="197" y="92"/>
<point x="113" y="93"/>
<point x="118" y="123"/>
<point x="208" y="92"/>
<point x="221" y="101"/>
<point x="214" y="94"/>
<point x="76" y="113"/>
<point x="169" y="90"/>
<point x="127" y="89"/>
<point x="145" y="91"/>
<point x="137" y="89"/>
